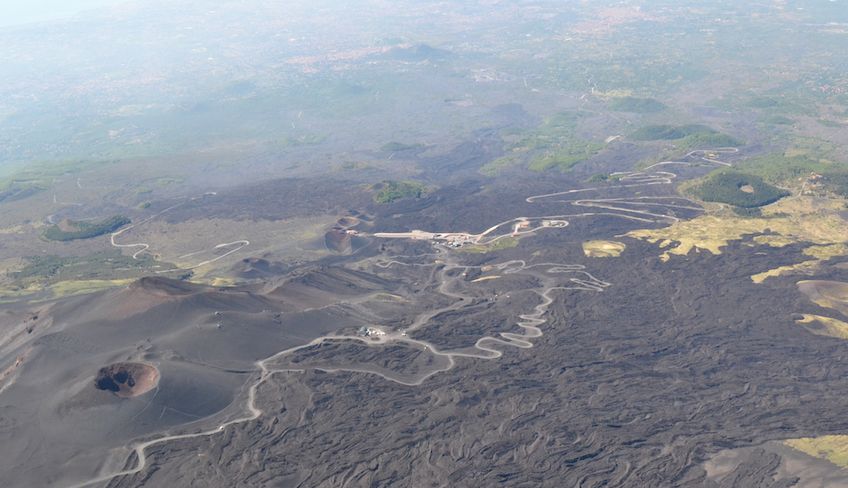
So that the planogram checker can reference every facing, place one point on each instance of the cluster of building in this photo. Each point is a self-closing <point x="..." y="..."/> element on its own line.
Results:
<point x="554" y="223"/>
<point x="813" y="185"/>
<point x="370" y="332"/>
<point x="458" y="240"/>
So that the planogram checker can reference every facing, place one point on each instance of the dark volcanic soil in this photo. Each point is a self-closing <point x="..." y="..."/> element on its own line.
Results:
<point x="204" y="341"/>
<point x="638" y="385"/>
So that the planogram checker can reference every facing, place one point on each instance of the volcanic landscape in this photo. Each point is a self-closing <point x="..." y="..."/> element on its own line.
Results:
<point x="407" y="244"/>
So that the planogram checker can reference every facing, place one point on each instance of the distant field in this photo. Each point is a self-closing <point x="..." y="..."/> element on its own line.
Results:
<point x="555" y="144"/>
<point x="637" y="105"/>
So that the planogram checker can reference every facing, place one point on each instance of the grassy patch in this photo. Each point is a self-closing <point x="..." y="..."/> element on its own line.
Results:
<point x="833" y="448"/>
<point x="836" y="181"/>
<point x="389" y="191"/>
<point x="603" y="249"/>
<point x="686" y="136"/>
<point x="751" y="212"/>
<point x="603" y="178"/>
<point x="709" y="140"/>
<point x="802" y="267"/>
<point x="495" y="167"/>
<point x="778" y="120"/>
<point x="554" y="144"/>
<point x="824" y="326"/>
<point x="791" y="170"/>
<point x="798" y="220"/>
<point x="395" y="146"/>
<point x="738" y="189"/>
<point x="79" y="287"/>
<point x="781" y="105"/>
<point x="564" y="158"/>
<point x="14" y="190"/>
<point x="498" y="245"/>
<point x="85" y="230"/>
<point x="37" y="176"/>
<point x="670" y="132"/>
<point x="48" y="269"/>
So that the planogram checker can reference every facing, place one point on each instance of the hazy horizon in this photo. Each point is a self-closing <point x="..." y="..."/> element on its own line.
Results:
<point x="48" y="10"/>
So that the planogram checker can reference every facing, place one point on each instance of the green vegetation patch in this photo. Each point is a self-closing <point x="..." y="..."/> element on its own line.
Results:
<point x="692" y="136"/>
<point x="17" y="182"/>
<point x="14" y="190"/>
<point x="389" y="191"/>
<point x="778" y="120"/>
<point x="781" y="169"/>
<point x="498" y="245"/>
<point x="603" y="178"/>
<point x="814" y="176"/>
<point x="565" y="158"/>
<point x="494" y="167"/>
<point x="45" y="270"/>
<point x="752" y="212"/>
<point x="554" y="144"/>
<point x="794" y="104"/>
<point x="637" y="105"/>
<point x="764" y="102"/>
<point x="670" y="132"/>
<point x="74" y="230"/>
<point x="701" y="141"/>
<point x="738" y="189"/>
<point x="395" y="146"/>
<point x="836" y="181"/>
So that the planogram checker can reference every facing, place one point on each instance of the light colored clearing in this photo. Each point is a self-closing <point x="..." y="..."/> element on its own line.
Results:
<point x="610" y="94"/>
<point x="828" y="294"/>
<point x="603" y="249"/>
<point x="791" y="220"/>
<point x="773" y="240"/>
<point x="806" y="267"/>
<point x="496" y="245"/>
<point x="221" y="282"/>
<point x="79" y="287"/>
<point x="708" y="233"/>
<point x="388" y="297"/>
<point x="824" y="326"/>
<point x="746" y="189"/>
<point x="11" y="265"/>
<point x="821" y="253"/>
<point x="827" y="251"/>
<point x="485" y="278"/>
<point x="8" y="293"/>
<point x="833" y="448"/>
<point x="16" y="229"/>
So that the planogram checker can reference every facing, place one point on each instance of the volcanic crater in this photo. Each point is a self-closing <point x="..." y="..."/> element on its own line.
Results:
<point x="127" y="380"/>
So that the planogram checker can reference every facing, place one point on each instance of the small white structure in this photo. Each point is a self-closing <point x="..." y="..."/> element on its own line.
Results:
<point x="371" y="332"/>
